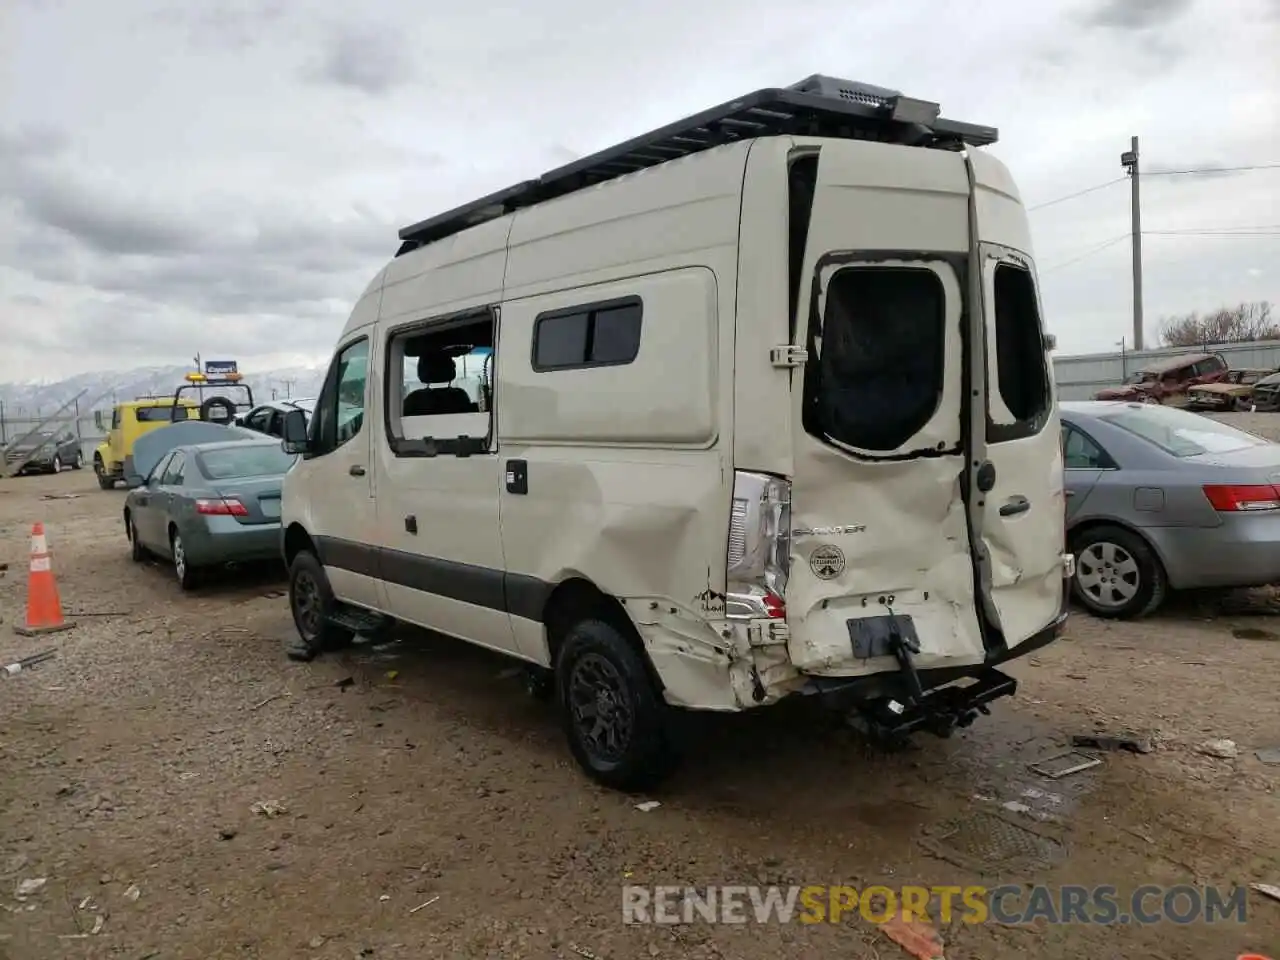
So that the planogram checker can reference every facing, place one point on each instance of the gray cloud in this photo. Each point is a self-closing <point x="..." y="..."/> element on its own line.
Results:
<point x="1136" y="14"/>
<point x="373" y="61"/>
<point x="233" y="24"/>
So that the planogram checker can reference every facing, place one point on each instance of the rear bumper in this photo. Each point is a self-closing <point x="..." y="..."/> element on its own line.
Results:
<point x="1244" y="551"/>
<point x="842" y="692"/>
<point x="225" y="540"/>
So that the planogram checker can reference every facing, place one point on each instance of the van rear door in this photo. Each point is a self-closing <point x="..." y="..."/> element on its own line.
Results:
<point x="880" y="534"/>
<point x="1023" y="520"/>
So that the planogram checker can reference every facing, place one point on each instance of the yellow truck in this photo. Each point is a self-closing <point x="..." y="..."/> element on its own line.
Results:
<point x="113" y="458"/>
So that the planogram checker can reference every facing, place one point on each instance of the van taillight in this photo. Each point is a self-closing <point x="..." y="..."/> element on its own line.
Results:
<point x="759" y="548"/>
<point x="1243" y="498"/>
<point x="223" y="507"/>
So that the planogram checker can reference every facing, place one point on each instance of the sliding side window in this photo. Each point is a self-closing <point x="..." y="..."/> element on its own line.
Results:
<point x="598" y="335"/>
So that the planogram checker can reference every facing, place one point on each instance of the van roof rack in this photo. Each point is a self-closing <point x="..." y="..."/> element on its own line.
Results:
<point x="816" y="106"/>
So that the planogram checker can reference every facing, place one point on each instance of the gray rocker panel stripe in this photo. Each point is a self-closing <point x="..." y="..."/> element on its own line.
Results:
<point x="514" y="593"/>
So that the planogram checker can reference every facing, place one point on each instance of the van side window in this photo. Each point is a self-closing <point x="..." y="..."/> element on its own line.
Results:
<point x="439" y="386"/>
<point x="1023" y="375"/>
<point x="598" y="335"/>
<point x="881" y="357"/>
<point x="339" y="412"/>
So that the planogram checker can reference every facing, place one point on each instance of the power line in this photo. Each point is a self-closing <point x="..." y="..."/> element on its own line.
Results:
<point x="1209" y="171"/>
<point x="1088" y="253"/>
<point x="1078" y="193"/>
<point x="1189" y="172"/>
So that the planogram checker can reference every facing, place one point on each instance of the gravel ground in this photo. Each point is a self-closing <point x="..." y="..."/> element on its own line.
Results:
<point x="131" y="764"/>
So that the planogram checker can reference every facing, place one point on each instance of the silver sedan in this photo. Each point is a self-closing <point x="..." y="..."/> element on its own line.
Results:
<point x="1160" y="498"/>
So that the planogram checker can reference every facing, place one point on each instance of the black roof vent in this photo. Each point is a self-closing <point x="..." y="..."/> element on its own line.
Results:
<point x="817" y="106"/>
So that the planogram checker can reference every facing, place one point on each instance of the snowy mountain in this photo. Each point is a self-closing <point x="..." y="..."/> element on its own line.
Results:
<point x="104" y="388"/>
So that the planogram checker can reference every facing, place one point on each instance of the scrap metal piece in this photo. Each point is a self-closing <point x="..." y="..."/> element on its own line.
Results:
<point x="1064" y="764"/>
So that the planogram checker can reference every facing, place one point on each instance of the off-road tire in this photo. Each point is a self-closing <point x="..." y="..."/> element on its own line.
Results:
<point x="311" y="602"/>
<point x="1152" y="583"/>
<point x="105" y="481"/>
<point x="645" y="755"/>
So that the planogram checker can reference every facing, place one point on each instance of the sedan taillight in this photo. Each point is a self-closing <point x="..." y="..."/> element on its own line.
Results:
<point x="1243" y="498"/>
<point x="223" y="507"/>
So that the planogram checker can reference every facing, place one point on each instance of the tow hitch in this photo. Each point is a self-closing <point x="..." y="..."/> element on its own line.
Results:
<point x="939" y="712"/>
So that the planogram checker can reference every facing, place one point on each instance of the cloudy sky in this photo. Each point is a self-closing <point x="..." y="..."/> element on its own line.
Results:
<point x="226" y="175"/>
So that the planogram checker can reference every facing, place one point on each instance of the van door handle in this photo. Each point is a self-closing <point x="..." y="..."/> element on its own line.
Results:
<point x="356" y="470"/>
<point x="1015" y="506"/>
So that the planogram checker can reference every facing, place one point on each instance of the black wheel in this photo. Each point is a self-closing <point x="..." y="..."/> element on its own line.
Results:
<point x="1117" y="574"/>
<point x="105" y="480"/>
<point x="57" y="463"/>
<point x="188" y="575"/>
<point x="311" y="601"/>
<point x="612" y="715"/>
<point x="78" y="462"/>
<point x="137" y="552"/>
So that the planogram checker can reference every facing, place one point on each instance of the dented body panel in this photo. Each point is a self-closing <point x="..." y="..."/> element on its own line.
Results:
<point x="622" y="477"/>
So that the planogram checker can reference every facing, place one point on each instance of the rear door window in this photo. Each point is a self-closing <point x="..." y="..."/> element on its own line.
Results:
<point x="882" y="355"/>
<point x="1021" y="374"/>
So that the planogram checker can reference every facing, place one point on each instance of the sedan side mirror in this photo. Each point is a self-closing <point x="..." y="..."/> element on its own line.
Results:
<point x="294" y="432"/>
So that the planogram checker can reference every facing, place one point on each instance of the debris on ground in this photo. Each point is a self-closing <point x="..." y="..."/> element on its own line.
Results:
<point x="345" y="682"/>
<point x="61" y="496"/>
<point x="1269" y="755"/>
<point x="1267" y="890"/>
<point x="269" y="808"/>
<point x="422" y="905"/>
<point x="1064" y="764"/>
<point x="262" y="703"/>
<point x="1222" y="749"/>
<point x="648" y="805"/>
<point x="27" y="887"/>
<point x="133" y="893"/>
<point x="26" y="663"/>
<point x="1103" y="741"/>
<point x="917" y="937"/>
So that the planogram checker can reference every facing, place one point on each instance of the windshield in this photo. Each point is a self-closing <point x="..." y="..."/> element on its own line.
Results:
<point x="251" y="460"/>
<point x="1181" y="433"/>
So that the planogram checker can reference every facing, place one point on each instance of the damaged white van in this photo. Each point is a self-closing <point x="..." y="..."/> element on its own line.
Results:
<point x="755" y="405"/>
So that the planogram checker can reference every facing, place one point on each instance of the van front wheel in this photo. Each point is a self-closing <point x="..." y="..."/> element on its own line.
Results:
<point x="612" y="715"/>
<point x="311" y="602"/>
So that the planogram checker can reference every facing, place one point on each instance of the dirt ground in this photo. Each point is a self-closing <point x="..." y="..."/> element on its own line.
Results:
<point x="130" y="764"/>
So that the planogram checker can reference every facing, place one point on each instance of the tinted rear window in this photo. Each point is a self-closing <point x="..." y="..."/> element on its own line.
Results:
<point x="257" y="460"/>
<point x="157" y="414"/>
<point x="880" y="372"/>
<point x="1181" y="433"/>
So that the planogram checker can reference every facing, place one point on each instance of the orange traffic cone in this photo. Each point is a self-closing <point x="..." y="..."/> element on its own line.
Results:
<point x="44" y="608"/>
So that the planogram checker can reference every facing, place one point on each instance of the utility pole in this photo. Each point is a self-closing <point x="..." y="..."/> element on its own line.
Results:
<point x="1129" y="160"/>
<point x="288" y="389"/>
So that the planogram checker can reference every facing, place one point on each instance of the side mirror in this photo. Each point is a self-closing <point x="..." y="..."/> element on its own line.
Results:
<point x="294" y="432"/>
<point x="1050" y="342"/>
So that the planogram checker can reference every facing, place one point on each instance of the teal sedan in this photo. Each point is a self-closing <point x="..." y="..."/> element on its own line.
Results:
<point x="207" y="505"/>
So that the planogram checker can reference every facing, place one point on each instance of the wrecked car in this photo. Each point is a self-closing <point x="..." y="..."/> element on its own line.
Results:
<point x="667" y="480"/>
<point x="1233" y="392"/>
<point x="1167" y="381"/>
<point x="1266" y="393"/>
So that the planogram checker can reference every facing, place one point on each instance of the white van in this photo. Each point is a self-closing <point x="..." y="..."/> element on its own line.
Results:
<point x="762" y="408"/>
